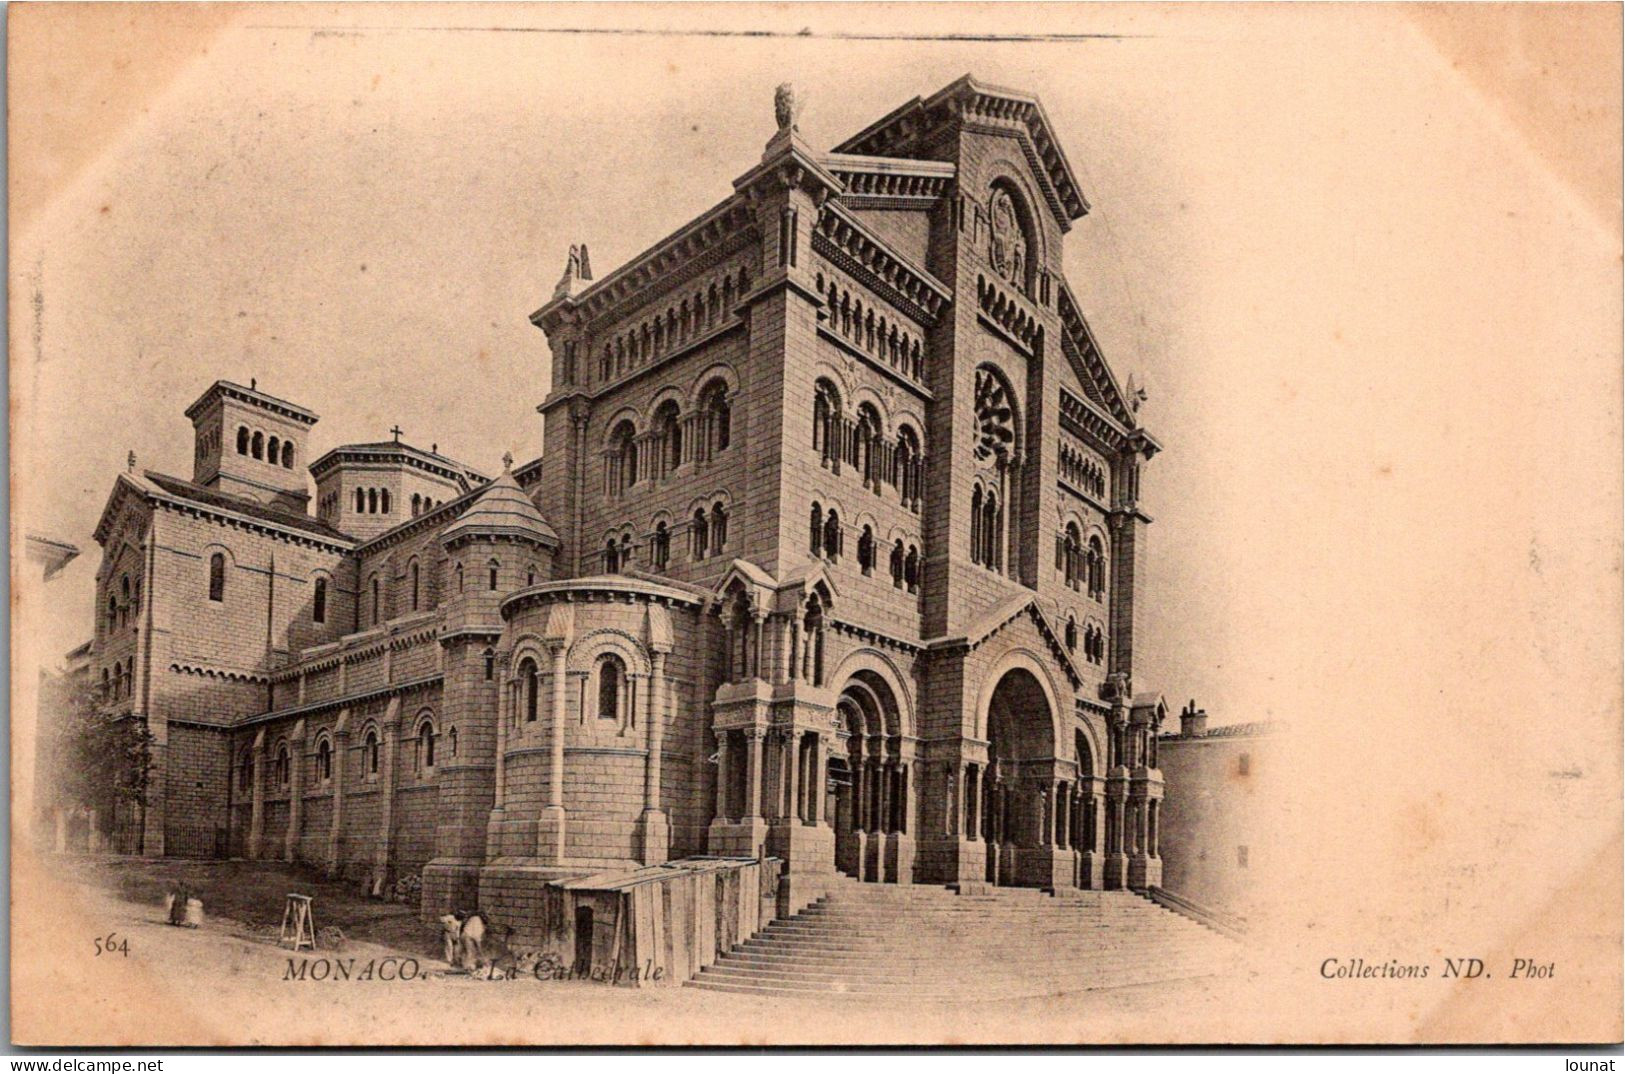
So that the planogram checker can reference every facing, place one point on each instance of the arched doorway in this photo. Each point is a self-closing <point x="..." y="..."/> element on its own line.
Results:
<point x="1018" y="783"/>
<point x="872" y="814"/>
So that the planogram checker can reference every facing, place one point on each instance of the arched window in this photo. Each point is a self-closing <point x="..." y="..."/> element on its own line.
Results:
<point x="425" y="750"/>
<point x="318" y="606"/>
<point x="372" y="501"/>
<point x="107" y="684"/>
<point x="529" y="686"/>
<point x="287" y="454"/>
<point x="611" y="676"/>
<point x="911" y="570"/>
<point x="273" y="451"/>
<point x="976" y="525"/>
<point x="897" y="563"/>
<point x="623" y="458"/>
<point x="324" y="760"/>
<point x="992" y="532"/>
<point x="815" y="536"/>
<point x="718" y="416"/>
<point x="412" y="572"/>
<point x="377" y="600"/>
<point x="832" y="535"/>
<point x="1097" y="568"/>
<point x="491" y="569"/>
<point x="490" y="665"/>
<point x="670" y="429"/>
<point x="383" y="501"/>
<point x="1071" y="634"/>
<point x="530" y="575"/>
<point x="719" y="527"/>
<point x="112" y="603"/>
<point x="242" y="440"/>
<point x="369" y="754"/>
<point x="626" y="552"/>
<point x="124" y="607"/>
<point x="1072" y="556"/>
<point x="459" y="572"/>
<point x="699" y="533"/>
<point x="612" y="556"/>
<point x="217" y="578"/>
<point x="906" y="467"/>
<point x="417" y="505"/>
<point x="826" y="420"/>
<point x="451" y="742"/>
<point x="660" y="547"/>
<point x="284" y="766"/>
<point x="360" y="501"/>
<point x="866" y="550"/>
<point x="868" y="443"/>
<point x="257" y="445"/>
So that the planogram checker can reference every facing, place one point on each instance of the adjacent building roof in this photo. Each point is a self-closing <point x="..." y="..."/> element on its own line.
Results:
<point x="253" y="396"/>
<point x="52" y="553"/>
<point x="1233" y="730"/>
<point x="393" y="451"/>
<point x="225" y="501"/>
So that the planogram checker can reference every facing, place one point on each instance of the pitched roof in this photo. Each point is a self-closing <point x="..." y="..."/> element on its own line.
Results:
<point x="413" y="456"/>
<point x="225" y="501"/>
<point x="502" y="509"/>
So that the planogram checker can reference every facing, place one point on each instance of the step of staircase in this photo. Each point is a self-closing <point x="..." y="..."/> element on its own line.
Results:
<point x="928" y="942"/>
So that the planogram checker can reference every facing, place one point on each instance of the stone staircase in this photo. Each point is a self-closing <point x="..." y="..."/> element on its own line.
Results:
<point x="931" y="943"/>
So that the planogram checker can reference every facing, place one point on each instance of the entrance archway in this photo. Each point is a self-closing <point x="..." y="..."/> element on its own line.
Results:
<point x="1017" y="783"/>
<point x="872" y="809"/>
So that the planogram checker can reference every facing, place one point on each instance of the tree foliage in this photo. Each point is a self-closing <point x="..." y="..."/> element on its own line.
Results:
<point x="93" y="756"/>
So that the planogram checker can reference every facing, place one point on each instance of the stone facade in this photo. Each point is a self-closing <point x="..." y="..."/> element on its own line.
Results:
<point x="830" y="554"/>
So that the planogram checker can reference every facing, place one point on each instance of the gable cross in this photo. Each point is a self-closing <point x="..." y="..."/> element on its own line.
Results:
<point x="397" y="431"/>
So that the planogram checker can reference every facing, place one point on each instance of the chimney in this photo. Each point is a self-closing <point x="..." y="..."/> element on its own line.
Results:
<point x="1192" y="721"/>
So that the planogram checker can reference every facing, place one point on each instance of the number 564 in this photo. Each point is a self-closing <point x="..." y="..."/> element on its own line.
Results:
<point x="111" y="943"/>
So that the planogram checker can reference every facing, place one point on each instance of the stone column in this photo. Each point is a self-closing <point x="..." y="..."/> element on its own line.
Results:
<point x="722" y="776"/>
<point x="256" y="821"/>
<point x="655" y="829"/>
<point x="296" y="792"/>
<point x="335" y="831"/>
<point x="551" y="831"/>
<point x="792" y="757"/>
<point x="753" y="775"/>
<point x="390" y="726"/>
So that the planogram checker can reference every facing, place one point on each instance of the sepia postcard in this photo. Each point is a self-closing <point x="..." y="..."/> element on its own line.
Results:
<point x="828" y="524"/>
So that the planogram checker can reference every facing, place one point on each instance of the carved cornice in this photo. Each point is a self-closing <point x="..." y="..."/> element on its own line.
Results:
<point x="388" y="690"/>
<point x="677" y="252"/>
<point x="988" y="109"/>
<point x="856" y="250"/>
<point x="1009" y="313"/>
<point x="1075" y="332"/>
<point x="186" y="667"/>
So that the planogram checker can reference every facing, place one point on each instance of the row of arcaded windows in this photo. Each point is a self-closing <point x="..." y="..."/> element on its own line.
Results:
<point x="986" y="528"/>
<point x="860" y="442"/>
<point x="425" y="747"/>
<point x="708" y="536"/>
<point x="1082" y="472"/>
<point x="672" y="440"/>
<point x="274" y="450"/>
<point x="611" y="700"/>
<point x="123" y="605"/>
<point x="372" y="501"/>
<point x="421" y="503"/>
<point x="687" y="319"/>
<point x="826" y="540"/>
<point x="1094" y="640"/>
<point x="117" y="684"/>
<point x="1081" y="565"/>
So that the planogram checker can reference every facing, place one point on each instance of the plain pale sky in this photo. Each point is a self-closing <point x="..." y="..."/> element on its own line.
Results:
<point x="1371" y="284"/>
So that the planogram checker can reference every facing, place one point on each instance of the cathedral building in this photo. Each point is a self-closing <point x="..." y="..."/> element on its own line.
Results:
<point x="830" y="555"/>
